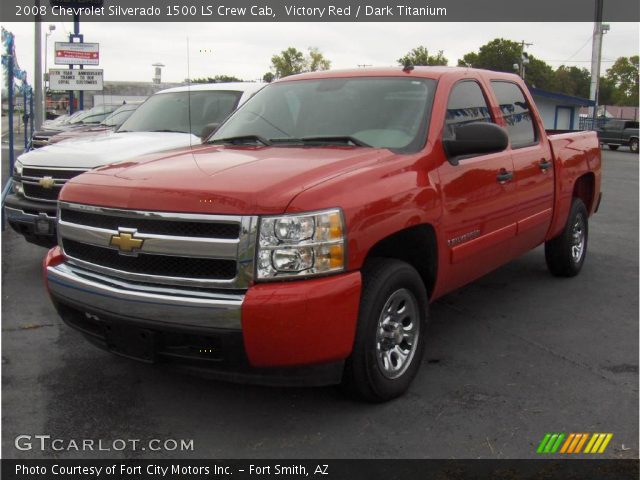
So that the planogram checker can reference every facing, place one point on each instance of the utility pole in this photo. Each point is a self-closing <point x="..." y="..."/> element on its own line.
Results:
<point x="524" y="57"/>
<point x="596" y="56"/>
<point x="37" y="72"/>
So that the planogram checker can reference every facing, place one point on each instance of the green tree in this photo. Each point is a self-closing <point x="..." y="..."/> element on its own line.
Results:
<point x="217" y="79"/>
<point x="624" y="75"/>
<point x="420" y="56"/>
<point x="539" y="74"/>
<point x="317" y="61"/>
<point x="289" y="62"/>
<point x="572" y="81"/>
<point x="607" y="92"/>
<point x="292" y="61"/>
<point x="501" y="55"/>
<point x="268" y="77"/>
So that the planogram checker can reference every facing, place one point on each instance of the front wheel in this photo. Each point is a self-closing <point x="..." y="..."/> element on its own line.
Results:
<point x="613" y="147"/>
<point x="633" y="145"/>
<point x="389" y="342"/>
<point x="565" y="254"/>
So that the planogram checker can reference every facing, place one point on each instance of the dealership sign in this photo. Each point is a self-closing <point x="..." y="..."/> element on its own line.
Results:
<point x="77" y="53"/>
<point x="62" y="79"/>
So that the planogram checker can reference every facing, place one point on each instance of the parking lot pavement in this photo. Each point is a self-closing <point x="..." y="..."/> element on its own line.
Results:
<point x="514" y="355"/>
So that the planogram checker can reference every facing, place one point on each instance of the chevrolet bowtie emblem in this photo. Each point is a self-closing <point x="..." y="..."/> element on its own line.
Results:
<point x="126" y="242"/>
<point x="46" y="182"/>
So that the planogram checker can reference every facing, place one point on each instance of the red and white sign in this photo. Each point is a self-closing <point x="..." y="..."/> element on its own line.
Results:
<point x="77" y="53"/>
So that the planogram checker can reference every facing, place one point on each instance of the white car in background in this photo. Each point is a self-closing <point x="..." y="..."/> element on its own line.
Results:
<point x="173" y="118"/>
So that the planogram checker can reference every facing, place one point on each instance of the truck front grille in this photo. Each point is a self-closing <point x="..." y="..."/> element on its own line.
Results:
<point x="45" y="183"/>
<point x="35" y="191"/>
<point x="192" y="250"/>
<point x="183" y="228"/>
<point x="158" y="265"/>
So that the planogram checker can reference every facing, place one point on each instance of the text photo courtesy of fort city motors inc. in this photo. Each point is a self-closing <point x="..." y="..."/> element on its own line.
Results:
<point x="348" y="240"/>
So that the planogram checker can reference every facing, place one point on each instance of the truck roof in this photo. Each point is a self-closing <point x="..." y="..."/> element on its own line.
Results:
<point x="420" y="72"/>
<point x="230" y="86"/>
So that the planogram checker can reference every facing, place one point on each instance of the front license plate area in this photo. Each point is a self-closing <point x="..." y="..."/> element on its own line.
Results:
<point x="43" y="226"/>
<point x="132" y="342"/>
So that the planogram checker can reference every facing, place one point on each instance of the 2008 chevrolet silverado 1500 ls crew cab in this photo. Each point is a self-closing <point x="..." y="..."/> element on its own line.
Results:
<point x="304" y="240"/>
<point x="171" y="118"/>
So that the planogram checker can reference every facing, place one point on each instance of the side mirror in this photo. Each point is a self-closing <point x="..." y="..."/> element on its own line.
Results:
<point x="474" y="139"/>
<point x="208" y="130"/>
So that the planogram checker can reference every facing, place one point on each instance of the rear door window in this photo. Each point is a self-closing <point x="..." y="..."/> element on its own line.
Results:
<point x="516" y="113"/>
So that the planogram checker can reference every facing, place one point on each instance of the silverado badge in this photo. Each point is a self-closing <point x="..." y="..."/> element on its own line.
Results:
<point x="125" y="242"/>
<point x="46" y="182"/>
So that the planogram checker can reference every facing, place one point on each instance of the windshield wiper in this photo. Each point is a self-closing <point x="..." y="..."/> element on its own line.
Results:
<point x="323" y="140"/>
<point x="240" y="139"/>
<point x="168" y="130"/>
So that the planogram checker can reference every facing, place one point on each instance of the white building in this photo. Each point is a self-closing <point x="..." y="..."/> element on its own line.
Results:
<point x="558" y="110"/>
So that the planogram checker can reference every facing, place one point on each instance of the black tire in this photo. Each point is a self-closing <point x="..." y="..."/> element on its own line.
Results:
<point x="633" y="145"/>
<point x="561" y="253"/>
<point x="387" y="280"/>
<point x="613" y="147"/>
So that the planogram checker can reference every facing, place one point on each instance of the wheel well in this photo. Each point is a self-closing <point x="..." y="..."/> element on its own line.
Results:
<point x="415" y="245"/>
<point x="584" y="189"/>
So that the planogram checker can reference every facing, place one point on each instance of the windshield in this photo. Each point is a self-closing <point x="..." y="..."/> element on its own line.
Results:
<point x="382" y="112"/>
<point x="94" y="115"/>
<point x="169" y="112"/>
<point x="119" y="116"/>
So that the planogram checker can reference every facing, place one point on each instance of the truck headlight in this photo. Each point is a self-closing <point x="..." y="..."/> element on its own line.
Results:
<point x="17" y="169"/>
<point x="17" y="188"/>
<point x="301" y="245"/>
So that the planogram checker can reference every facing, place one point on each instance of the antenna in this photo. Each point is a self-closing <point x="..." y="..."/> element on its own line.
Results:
<point x="189" y="94"/>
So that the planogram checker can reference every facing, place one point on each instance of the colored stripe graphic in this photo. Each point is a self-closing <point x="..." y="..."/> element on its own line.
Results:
<point x="606" y="442"/>
<point x="581" y="442"/>
<point x="598" y="443"/>
<point x="573" y="443"/>
<point x="567" y="443"/>
<point x="544" y="441"/>
<point x="550" y="443"/>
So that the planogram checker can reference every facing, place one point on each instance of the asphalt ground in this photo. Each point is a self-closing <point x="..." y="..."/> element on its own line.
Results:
<point x="509" y="358"/>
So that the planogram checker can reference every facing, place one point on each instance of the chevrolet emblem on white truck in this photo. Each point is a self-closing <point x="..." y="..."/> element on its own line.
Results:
<point x="46" y="182"/>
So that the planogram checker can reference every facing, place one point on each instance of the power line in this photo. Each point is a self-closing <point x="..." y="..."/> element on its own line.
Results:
<point x="589" y="38"/>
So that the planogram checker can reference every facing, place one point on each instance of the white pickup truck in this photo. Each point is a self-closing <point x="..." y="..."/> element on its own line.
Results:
<point x="173" y="118"/>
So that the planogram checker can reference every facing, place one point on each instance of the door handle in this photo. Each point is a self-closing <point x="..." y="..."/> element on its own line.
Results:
<point x="504" y="176"/>
<point x="544" y="164"/>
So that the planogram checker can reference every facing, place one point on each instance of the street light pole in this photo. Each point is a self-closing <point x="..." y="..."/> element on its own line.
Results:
<point x="46" y="72"/>
<point x="37" y="77"/>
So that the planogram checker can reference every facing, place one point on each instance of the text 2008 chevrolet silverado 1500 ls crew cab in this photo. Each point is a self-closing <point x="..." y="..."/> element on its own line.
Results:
<point x="305" y="239"/>
<point x="172" y="118"/>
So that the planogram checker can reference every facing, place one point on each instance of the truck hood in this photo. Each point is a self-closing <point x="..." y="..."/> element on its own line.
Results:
<point x="219" y="179"/>
<point x="99" y="150"/>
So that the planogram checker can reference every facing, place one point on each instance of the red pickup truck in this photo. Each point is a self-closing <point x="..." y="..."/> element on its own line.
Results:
<point x="304" y="240"/>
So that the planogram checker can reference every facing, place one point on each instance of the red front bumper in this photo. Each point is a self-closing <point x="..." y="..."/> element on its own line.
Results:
<point x="301" y="322"/>
<point x="282" y="324"/>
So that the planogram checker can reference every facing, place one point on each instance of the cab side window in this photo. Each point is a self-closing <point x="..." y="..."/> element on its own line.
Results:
<point x="516" y="113"/>
<point x="466" y="104"/>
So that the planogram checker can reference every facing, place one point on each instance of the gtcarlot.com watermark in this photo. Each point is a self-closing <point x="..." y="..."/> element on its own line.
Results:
<point x="45" y="443"/>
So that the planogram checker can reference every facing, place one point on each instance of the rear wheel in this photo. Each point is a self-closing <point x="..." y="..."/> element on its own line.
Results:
<point x="633" y="145"/>
<point x="389" y="342"/>
<point x="613" y="147"/>
<point x="565" y="254"/>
